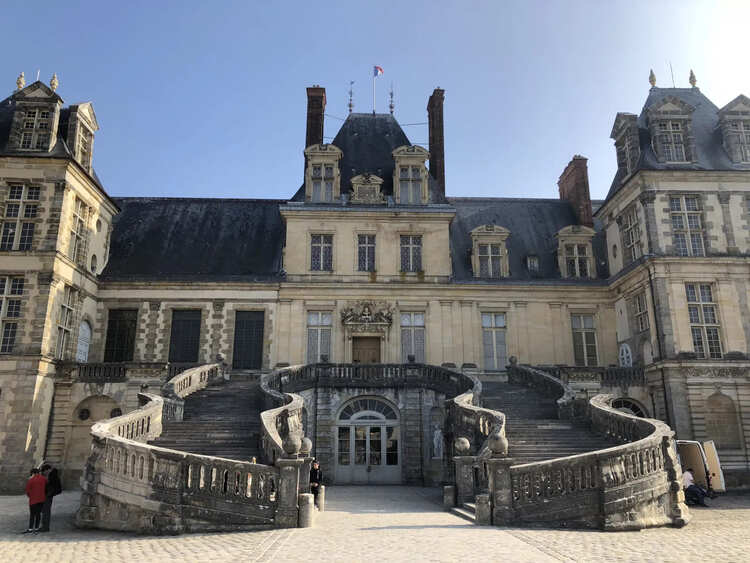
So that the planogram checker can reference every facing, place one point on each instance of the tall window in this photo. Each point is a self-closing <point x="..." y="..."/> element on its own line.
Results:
<point x="185" y="333"/>
<point x="687" y="226"/>
<point x="318" y="336"/>
<point x="411" y="253"/>
<point x="742" y="130"/>
<point x="11" y="290"/>
<point x="410" y="184"/>
<point x="412" y="337"/>
<point x="85" y="140"/>
<point x="577" y="260"/>
<point x="584" y="340"/>
<point x="21" y="208"/>
<point x="641" y="312"/>
<point x="120" y="343"/>
<point x="489" y="261"/>
<point x="36" y="126"/>
<point x="322" y="182"/>
<point x="65" y="322"/>
<point x="78" y="233"/>
<point x="631" y="235"/>
<point x="672" y="141"/>
<point x="366" y="253"/>
<point x="493" y="339"/>
<point x="84" y="341"/>
<point x="704" y="321"/>
<point x="321" y="253"/>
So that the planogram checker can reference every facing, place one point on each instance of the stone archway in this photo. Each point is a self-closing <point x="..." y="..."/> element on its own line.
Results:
<point x="721" y="422"/>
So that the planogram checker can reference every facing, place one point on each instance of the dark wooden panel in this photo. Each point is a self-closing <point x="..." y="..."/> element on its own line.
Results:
<point x="248" y="340"/>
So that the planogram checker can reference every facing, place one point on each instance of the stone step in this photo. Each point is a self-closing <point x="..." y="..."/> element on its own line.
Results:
<point x="462" y="512"/>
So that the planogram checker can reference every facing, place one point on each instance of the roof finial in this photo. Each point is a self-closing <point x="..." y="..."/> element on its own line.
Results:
<point x="652" y="78"/>
<point x="20" y="81"/>
<point x="54" y="82"/>
<point x="351" y="95"/>
<point x="390" y="105"/>
<point x="692" y="78"/>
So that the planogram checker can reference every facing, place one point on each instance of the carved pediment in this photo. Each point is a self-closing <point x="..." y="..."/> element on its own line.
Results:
<point x="366" y="189"/>
<point x="411" y="150"/>
<point x="740" y="106"/>
<point x="670" y="106"/>
<point x="367" y="315"/>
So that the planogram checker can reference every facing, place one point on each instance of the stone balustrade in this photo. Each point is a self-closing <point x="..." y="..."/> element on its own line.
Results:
<point x="131" y="485"/>
<point x="626" y="487"/>
<point x="603" y="376"/>
<point x="185" y="383"/>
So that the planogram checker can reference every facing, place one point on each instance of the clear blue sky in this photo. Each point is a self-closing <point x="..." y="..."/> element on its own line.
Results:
<point x="208" y="98"/>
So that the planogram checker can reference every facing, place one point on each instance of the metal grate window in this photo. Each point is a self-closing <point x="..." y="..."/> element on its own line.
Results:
<point x="704" y="320"/>
<point x="494" y="341"/>
<point x="412" y="337"/>
<point x="11" y="290"/>
<point x="584" y="340"/>
<point x="321" y="253"/>
<point x="577" y="260"/>
<point x="490" y="261"/>
<point x="411" y="253"/>
<point x="366" y="253"/>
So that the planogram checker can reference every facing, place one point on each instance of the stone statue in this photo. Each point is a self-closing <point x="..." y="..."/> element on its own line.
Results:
<point x="437" y="442"/>
<point x="21" y="81"/>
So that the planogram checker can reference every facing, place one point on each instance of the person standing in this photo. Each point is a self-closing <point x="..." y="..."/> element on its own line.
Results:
<point x="316" y="479"/>
<point x="54" y="487"/>
<point x="35" y="490"/>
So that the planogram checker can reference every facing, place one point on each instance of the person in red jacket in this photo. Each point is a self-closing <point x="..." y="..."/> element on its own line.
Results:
<point x="35" y="490"/>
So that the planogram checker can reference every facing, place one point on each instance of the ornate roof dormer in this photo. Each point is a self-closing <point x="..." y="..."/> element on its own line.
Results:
<point x="671" y="126"/>
<point x="82" y="125"/>
<point x="627" y="144"/>
<point x="35" y="118"/>
<point x="322" y="176"/>
<point x="366" y="189"/>
<point x="734" y="122"/>
<point x="410" y="175"/>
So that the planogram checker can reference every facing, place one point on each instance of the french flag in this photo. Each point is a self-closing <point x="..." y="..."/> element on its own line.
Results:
<point x="377" y="71"/>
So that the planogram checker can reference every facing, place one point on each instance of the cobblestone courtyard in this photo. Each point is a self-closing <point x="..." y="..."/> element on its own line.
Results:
<point x="384" y="523"/>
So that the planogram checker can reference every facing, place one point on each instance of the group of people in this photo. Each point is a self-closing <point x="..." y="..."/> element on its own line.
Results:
<point x="43" y="485"/>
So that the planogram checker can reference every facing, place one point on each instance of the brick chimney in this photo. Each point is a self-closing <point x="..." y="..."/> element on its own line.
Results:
<point x="574" y="187"/>
<point x="436" y="138"/>
<point x="316" y="107"/>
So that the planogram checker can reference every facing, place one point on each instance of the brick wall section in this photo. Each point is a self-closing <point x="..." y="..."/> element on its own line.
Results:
<point x="436" y="137"/>
<point x="574" y="187"/>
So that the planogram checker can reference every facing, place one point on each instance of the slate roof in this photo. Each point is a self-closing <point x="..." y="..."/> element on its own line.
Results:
<point x="196" y="239"/>
<point x="705" y="124"/>
<point x="367" y="142"/>
<point x="532" y="223"/>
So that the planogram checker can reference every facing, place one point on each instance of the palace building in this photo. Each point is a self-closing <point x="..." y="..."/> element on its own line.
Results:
<point x="371" y="261"/>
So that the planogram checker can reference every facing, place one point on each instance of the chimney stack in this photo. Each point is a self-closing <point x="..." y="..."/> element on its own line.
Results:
<point x="316" y="107"/>
<point x="574" y="188"/>
<point x="436" y="138"/>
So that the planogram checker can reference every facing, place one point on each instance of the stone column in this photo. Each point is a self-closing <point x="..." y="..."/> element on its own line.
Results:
<point x="464" y="478"/>
<point x="501" y="490"/>
<point x="728" y="228"/>
<point x="287" y="509"/>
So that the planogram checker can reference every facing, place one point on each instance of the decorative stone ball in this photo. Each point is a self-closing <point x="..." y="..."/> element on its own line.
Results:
<point x="462" y="446"/>
<point x="292" y="444"/>
<point x="497" y="443"/>
<point x="306" y="446"/>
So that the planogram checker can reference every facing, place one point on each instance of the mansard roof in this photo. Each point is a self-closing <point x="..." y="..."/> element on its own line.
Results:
<point x="196" y="239"/>
<point x="533" y="224"/>
<point x="710" y="153"/>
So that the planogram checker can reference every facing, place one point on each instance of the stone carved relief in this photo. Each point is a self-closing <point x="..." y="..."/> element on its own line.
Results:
<point x="366" y="316"/>
<point x="717" y="372"/>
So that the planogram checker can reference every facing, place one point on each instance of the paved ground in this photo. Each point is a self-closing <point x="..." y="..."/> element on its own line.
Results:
<point x="386" y="524"/>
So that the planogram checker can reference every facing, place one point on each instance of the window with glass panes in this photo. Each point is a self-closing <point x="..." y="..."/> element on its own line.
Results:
<point x="577" y="260"/>
<point x="366" y="253"/>
<point x="120" y="343"/>
<point x="584" y="340"/>
<point x="410" y="184"/>
<point x="489" y="261"/>
<point x="36" y="126"/>
<point x="704" y="320"/>
<point x="641" y="311"/>
<point x="672" y="141"/>
<point x="65" y="323"/>
<point x="411" y="253"/>
<point x="687" y="225"/>
<point x="21" y="208"/>
<point x="11" y="290"/>
<point x="78" y="233"/>
<point x="322" y="182"/>
<point x="412" y="337"/>
<point x="741" y="129"/>
<point x="493" y="340"/>
<point x="321" y="253"/>
<point x="318" y="336"/>
<point x="631" y="235"/>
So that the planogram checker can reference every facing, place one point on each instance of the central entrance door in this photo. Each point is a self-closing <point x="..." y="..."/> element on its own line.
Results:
<point x="248" y="340"/>
<point x="368" y="441"/>
<point x="366" y="350"/>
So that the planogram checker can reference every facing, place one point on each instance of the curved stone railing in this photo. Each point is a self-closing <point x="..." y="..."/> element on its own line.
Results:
<point x="131" y="485"/>
<point x="630" y="486"/>
<point x="546" y="384"/>
<point x="282" y="419"/>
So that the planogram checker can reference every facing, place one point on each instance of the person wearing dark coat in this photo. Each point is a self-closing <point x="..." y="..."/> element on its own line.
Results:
<point x="54" y="487"/>
<point x="316" y="479"/>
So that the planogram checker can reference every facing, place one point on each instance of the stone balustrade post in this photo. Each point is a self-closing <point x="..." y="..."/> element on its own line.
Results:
<point x="464" y="478"/>
<point x="483" y="512"/>
<point x="501" y="490"/>
<point x="322" y="498"/>
<point x="287" y="509"/>
<point x="304" y="474"/>
<point x="449" y="496"/>
<point x="306" y="510"/>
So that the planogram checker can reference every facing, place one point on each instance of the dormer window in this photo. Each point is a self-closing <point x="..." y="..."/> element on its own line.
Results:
<point x="489" y="252"/>
<point x="532" y="264"/>
<point x="741" y="131"/>
<point x="734" y="120"/>
<point x="670" y="126"/>
<point x="672" y="141"/>
<point x="410" y="175"/>
<point x="575" y="252"/>
<point x="35" y="130"/>
<point x="322" y="182"/>
<point x="627" y="143"/>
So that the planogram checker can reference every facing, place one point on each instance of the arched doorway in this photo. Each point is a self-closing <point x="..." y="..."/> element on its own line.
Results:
<point x="368" y="442"/>
<point x="90" y="410"/>
<point x="629" y="406"/>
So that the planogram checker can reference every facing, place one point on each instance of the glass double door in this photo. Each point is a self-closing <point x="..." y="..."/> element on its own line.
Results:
<point x="368" y="454"/>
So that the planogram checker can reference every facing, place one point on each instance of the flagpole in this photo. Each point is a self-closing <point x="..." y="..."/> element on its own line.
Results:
<point x="373" y="90"/>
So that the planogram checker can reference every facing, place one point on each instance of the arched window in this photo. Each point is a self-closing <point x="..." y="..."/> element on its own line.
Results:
<point x="629" y="406"/>
<point x="626" y="356"/>
<point x="367" y="409"/>
<point x="84" y="339"/>
<point x="721" y="422"/>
